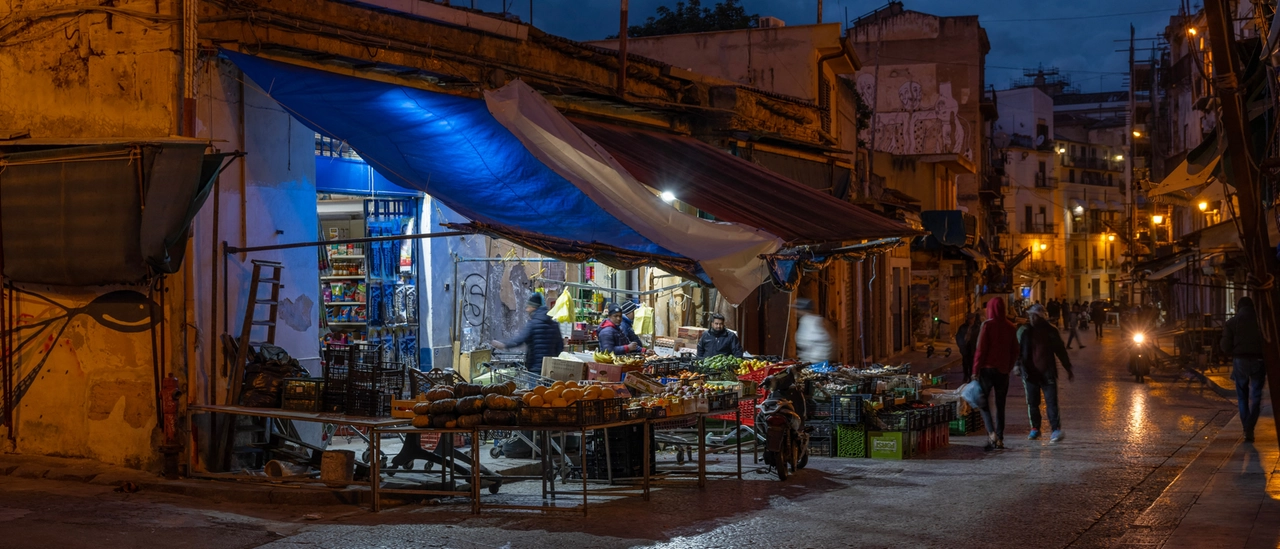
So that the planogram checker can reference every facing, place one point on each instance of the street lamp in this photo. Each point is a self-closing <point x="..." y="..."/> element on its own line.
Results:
<point x="1111" y="238"/>
<point x="1044" y="247"/>
<point x="1204" y="206"/>
<point x="668" y="197"/>
<point x="1191" y="31"/>
<point x="1137" y="133"/>
<point x="1119" y="158"/>
<point x="1157" y="219"/>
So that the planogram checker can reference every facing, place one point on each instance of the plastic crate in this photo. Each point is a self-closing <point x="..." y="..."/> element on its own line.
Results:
<point x="969" y="424"/>
<point x="822" y="446"/>
<point x="722" y="401"/>
<point x="366" y="403"/>
<point x="851" y="441"/>
<point x="580" y="413"/>
<point x="748" y="409"/>
<point x="846" y="409"/>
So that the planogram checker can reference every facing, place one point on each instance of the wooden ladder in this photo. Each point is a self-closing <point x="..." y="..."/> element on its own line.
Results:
<point x="244" y="347"/>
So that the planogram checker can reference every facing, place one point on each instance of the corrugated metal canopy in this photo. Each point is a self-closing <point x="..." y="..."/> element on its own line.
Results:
<point x="733" y="189"/>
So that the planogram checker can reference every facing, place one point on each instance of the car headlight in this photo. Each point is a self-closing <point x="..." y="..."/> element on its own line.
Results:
<point x="1139" y="338"/>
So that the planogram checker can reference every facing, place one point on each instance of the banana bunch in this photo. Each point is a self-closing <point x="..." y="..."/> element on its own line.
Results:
<point x="602" y="358"/>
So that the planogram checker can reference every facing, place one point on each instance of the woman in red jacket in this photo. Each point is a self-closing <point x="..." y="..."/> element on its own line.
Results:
<point x="992" y="362"/>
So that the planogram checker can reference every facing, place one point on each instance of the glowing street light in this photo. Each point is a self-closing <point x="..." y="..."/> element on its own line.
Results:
<point x="1191" y="31"/>
<point x="1044" y="247"/>
<point x="1204" y="206"/>
<point x="1119" y="158"/>
<point x="668" y="197"/>
<point x="1157" y="219"/>
<point x="1111" y="238"/>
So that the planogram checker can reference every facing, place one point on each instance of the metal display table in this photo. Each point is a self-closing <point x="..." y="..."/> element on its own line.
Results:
<point x="373" y="424"/>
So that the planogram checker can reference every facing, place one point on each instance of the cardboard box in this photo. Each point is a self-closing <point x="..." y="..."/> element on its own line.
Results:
<point x="690" y="332"/>
<point x="889" y="444"/>
<point x="643" y="383"/>
<point x="609" y="372"/>
<point x="563" y="370"/>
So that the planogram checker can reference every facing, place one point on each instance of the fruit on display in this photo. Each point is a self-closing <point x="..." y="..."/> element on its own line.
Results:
<point x="470" y="420"/>
<point x="610" y="358"/>
<point x="499" y="417"/>
<point x="500" y="402"/>
<point x="444" y="421"/>
<point x="462" y="390"/>
<point x="439" y="393"/>
<point x="602" y="358"/>
<point x="444" y="406"/>
<point x="722" y="362"/>
<point x="471" y="405"/>
<point x="422" y="408"/>
<point x="748" y="366"/>
<point x="421" y="421"/>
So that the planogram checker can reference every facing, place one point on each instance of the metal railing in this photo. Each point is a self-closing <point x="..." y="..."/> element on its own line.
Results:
<point x="1042" y="227"/>
<point x="1044" y="181"/>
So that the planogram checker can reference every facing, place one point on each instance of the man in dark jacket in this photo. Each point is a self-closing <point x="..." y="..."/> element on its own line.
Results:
<point x="540" y="336"/>
<point x="1041" y="345"/>
<point x="628" y="322"/>
<point x="1098" y="314"/>
<point x="1055" y="311"/>
<point x="718" y="340"/>
<point x="612" y="339"/>
<point x="1074" y="314"/>
<point x="1242" y="340"/>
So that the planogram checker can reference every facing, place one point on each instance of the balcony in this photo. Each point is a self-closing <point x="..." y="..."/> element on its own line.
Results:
<point x="1044" y="181"/>
<point x="1042" y="227"/>
<point x="1096" y="163"/>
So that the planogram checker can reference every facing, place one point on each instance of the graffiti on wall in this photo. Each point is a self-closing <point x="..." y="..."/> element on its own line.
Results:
<point x="42" y="322"/>
<point x="914" y="113"/>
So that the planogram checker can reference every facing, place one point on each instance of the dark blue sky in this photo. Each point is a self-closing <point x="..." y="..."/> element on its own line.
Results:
<point x="1081" y="48"/>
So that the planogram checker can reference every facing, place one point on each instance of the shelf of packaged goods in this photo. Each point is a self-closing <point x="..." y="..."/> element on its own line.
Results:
<point x="344" y="303"/>
<point x="333" y="323"/>
<point x="342" y="277"/>
<point x="346" y="257"/>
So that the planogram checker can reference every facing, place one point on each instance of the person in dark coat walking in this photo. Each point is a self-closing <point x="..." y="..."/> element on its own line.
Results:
<point x="1040" y="346"/>
<point x="718" y="340"/>
<point x="967" y="342"/>
<point x="1074" y="314"/>
<point x="540" y="336"/>
<point x="1055" y="311"/>
<point x="1242" y="340"/>
<point x="1098" y="313"/>
<point x="611" y="337"/>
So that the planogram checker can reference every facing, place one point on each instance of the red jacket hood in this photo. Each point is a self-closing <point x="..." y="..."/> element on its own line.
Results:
<point x="995" y="308"/>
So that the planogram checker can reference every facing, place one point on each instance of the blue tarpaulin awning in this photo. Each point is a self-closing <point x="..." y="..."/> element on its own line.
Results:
<point x="517" y="168"/>
<point x="945" y="227"/>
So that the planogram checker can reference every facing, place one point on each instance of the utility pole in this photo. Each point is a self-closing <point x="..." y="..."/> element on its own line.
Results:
<point x="819" y="12"/>
<point x="1259" y="253"/>
<point x="1130" y="203"/>
<point x="622" y="52"/>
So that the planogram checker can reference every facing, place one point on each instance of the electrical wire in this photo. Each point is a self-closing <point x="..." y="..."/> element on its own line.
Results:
<point x="1074" y="18"/>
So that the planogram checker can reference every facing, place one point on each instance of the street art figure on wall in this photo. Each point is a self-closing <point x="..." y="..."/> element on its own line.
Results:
<point x="913" y="117"/>
<point x="42" y="322"/>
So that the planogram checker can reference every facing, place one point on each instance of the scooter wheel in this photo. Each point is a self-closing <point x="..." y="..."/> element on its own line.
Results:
<point x="804" y="460"/>
<point x="781" y="468"/>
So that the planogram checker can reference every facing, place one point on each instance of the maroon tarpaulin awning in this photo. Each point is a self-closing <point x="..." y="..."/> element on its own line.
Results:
<point x="733" y="189"/>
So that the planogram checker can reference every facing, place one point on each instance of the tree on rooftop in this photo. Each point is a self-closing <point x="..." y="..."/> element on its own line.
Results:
<point x="689" y="16"/>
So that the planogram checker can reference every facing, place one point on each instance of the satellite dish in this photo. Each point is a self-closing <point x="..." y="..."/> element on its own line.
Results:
<point x="1039" y="140"/>
<point x="1001" y="140"/>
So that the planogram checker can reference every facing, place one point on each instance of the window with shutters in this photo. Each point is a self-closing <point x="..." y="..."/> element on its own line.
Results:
<point x="824" y="101"/>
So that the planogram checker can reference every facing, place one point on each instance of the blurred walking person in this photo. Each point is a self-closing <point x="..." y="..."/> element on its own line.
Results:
<point x="967" y="342"/>
<point x="1242" y="340"/>
<point x="993" y="359"/>
<point x="1041" y="345"/>
<point x="1074" y="315"/>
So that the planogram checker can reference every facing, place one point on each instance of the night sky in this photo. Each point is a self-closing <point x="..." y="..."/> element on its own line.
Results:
<point x="1081" y="48"/>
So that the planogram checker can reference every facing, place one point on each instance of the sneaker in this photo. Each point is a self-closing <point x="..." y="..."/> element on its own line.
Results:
<point x="1034" y="434"/>
<point x="1000" y="443"/>
<point x="1056" y="436"/>
<point x="991" y="443"/>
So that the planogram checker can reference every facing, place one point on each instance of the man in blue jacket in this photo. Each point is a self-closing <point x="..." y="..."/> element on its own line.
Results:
<point x="540" y="336"/>
<point x="611" y="337"/>
<point x="628" y="322"/>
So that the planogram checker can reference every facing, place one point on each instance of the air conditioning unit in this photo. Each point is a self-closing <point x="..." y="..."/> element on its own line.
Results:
<point x="770" y="22"/>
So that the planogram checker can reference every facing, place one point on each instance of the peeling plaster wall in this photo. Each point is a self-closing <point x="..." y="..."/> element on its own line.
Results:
<point x="87" y="387"/>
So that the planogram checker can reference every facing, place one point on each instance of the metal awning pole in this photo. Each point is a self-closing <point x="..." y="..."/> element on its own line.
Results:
<point x="250" y="249"/>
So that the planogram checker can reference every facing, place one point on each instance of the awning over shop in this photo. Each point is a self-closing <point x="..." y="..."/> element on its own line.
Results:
<point x="354" y="176"/>
<point x="1115" y="206"/>
<point x="1170" y="267"/>
<point x="1074" y="204"/>
<point x="1201" y="164"/>
<point x="513" y="164"/>
<point x="1224" y="236"/>
<point x="1097" y="205"/>
<point x="113" y="213"/>
<point x="785" y="267"/>
<point x="1213" y="192"/>
<point x="947" y="227"/>
<point x="733" y="189"/>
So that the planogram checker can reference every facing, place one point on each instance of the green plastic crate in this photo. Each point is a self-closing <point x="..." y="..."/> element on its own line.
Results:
<point x="890" y="444"/>
<point x="851" y="441"/>
<point x="967" y="425"/>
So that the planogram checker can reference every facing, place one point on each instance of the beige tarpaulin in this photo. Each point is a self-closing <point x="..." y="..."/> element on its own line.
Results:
<point x="1223" y="236"/>
<point x="1183" y="177"/>
<point x="728" y="252"/>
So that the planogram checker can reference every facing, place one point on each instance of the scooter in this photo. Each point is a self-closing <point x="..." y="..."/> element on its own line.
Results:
<point x="1141" y="354"/>
<point x="780" y="421"/>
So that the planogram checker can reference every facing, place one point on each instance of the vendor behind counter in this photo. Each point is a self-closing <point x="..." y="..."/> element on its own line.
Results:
<point x="719" y="340"/>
